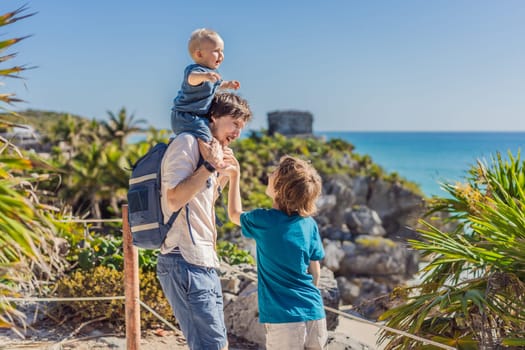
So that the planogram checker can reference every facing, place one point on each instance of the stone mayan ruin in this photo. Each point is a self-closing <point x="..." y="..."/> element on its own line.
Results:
<point x="290" y="123"/>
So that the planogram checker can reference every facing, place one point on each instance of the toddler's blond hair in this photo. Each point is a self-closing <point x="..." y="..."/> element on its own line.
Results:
<point x="200" y="35"/>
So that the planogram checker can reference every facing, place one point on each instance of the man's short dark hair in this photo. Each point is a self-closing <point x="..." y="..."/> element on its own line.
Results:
<point x="227" y="103"/>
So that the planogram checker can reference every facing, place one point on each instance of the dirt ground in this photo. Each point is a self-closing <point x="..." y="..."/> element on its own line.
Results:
<point x="99" y="340"/>
<point x="98" y="336"/>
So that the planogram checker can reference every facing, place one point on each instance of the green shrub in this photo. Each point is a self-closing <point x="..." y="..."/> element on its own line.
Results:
<point x="98" y="282"/>
<point x="89" y="249"/>
<point x="233" y="255"/>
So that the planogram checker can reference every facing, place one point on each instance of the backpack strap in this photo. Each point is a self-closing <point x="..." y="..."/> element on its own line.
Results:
<point x="173" y="217"/>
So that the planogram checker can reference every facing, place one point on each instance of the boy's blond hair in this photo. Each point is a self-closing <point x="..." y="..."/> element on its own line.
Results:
<point x="200" y="35"/>
<point x="297" y="186"/>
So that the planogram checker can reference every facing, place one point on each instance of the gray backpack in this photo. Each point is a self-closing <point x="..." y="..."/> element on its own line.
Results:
<point x="145" y="216"/>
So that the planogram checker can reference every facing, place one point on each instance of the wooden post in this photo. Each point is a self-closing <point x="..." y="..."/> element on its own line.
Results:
<point x="131" y="285"/>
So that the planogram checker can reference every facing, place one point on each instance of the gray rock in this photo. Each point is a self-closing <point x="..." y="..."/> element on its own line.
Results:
<point x="336" y="234"/>
<point x="377" y="256"/>
<point x="333" y="254"/>
<point x="326" y="202"/>
<point x="331" y="296"/>
<point x="362" y="220"/>
<point x="339" y="186"/>
<point x="242" y="317"/>
<point x="349" y="248"/>
<point x="395" y="205"/>
<point x="361" y="189"/>
<point x="349" y="291"/>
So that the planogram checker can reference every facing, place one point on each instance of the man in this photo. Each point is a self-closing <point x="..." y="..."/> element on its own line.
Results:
<point x="186" y="265"/>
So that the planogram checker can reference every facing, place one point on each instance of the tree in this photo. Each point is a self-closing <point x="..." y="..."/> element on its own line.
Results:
<point x="120" y="126"/>
<point x="68" y="130"/>
<point x="94" y="171"/>
<point x="96" y="174"/>
<point x="472" y="295"/>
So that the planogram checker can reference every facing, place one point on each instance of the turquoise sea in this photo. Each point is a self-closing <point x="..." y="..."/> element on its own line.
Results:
<point x="428" y="158"/>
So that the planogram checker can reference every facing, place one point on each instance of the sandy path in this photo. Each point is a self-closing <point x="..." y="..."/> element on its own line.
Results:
<point x="364" y="333"/>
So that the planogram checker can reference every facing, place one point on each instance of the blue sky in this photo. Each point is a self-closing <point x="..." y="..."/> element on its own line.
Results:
<point x="356" y="65"/>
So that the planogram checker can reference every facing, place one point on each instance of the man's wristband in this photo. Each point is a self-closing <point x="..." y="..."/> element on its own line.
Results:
<point x="208" y="166"/>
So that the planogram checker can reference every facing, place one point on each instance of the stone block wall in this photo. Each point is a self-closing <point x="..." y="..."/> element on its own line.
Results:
<point x="290" y="123"/>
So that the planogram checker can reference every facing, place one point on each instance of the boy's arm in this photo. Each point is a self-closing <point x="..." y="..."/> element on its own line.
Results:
<point x="234" y="199"/>
<point x="315" y="271"/>
<point x="197" y="78"/>
<point x="233" y="171"/>
<point x="230" y="84"/>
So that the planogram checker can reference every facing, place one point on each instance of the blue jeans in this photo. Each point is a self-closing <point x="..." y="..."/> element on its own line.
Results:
<point x="198" y="126"/>
<point x="195" y="295"/>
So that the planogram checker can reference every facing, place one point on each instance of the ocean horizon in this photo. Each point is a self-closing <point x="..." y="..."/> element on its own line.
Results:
<point x="429" y="158"/>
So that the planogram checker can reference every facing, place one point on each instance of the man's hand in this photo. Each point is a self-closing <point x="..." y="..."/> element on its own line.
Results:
<point x="212" y="153"/>
<point x="230" y="84"/>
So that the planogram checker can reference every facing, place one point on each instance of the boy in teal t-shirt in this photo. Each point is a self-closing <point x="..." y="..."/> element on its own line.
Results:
<point x="288" y="252"/>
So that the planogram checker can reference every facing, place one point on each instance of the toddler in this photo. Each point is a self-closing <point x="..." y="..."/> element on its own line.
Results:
<point x="201" y="81"/>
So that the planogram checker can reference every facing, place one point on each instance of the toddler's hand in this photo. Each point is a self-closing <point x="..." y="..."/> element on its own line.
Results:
<point x="231" y="84"/>
<point x="235" y="84"/>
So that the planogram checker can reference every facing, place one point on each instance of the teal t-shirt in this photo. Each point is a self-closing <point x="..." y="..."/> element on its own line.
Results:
<point x="285" y="247"/>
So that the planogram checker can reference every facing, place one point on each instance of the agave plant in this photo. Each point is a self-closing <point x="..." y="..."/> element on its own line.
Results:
<point x="472" y="293"/>
<point x="26" y="228"/>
